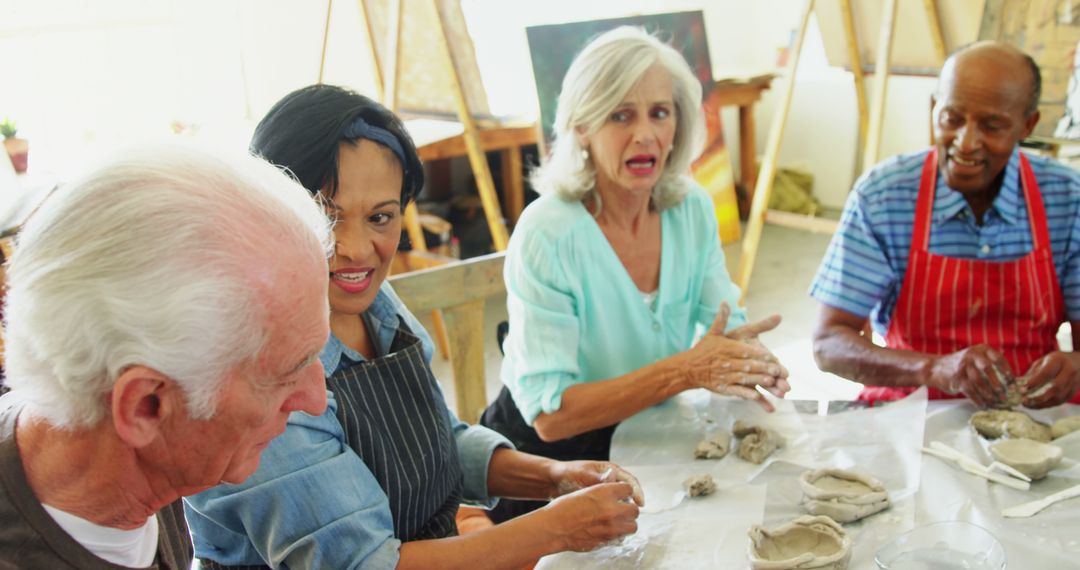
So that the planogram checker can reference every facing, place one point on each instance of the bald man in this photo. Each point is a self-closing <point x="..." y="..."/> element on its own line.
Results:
<point x="965" y="256"/>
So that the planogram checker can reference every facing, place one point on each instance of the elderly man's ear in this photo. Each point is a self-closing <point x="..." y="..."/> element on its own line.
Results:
<point x="142" y="400"/>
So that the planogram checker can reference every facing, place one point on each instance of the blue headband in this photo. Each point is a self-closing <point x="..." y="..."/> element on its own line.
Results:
<point x="360" y="129"/>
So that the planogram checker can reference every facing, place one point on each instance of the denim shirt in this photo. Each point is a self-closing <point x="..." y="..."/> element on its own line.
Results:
<point x="313" y="503"/>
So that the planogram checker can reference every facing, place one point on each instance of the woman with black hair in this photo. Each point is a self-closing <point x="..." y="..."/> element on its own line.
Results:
<point x="375" y="482"/>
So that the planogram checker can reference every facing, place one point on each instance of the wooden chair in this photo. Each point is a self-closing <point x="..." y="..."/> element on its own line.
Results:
<point x="459" y="290"/>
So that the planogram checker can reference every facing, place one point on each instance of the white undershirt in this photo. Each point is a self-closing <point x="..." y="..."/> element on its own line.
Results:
<point x="134" y="548"/>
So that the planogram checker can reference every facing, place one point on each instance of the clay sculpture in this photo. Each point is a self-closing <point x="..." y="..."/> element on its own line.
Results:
<point x="806" y="542"/>
<point x="700" y="485"/>
<point x="1065" y="426"/>
<point x="757" y="443"/>
<point x="845" y="496"/>
<point x="715" y="447"/>
<point x="993" y="424"/>
<point x="1032" y="458"/>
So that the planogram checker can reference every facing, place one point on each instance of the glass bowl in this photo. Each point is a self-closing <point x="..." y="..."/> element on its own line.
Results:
<point x="943" y="546"/>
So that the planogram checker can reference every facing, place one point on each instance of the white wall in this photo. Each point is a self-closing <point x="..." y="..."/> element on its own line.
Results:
<point x="744" y="39"/>
<point x="84" y="75"/>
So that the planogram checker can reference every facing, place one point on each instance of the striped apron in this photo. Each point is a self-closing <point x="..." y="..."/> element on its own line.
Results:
<point x="947" y="304"/>
<point x="394" y="417"/>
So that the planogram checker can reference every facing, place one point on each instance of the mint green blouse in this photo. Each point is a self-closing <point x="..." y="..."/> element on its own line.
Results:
<point x="575" y="314"/>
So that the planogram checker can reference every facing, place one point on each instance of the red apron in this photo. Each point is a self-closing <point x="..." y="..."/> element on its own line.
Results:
<point x="948" y="304"/>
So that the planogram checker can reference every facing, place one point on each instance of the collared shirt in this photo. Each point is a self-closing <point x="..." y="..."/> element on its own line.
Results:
<point x="576" y="315"/>
<point x="313" y="503"/>
<point x="864" y="267"/>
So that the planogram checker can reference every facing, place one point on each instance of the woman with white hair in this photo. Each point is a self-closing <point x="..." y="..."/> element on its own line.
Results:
<point x="616" y="269"/>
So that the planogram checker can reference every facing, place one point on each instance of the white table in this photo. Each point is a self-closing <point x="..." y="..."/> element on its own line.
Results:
<point x="710" y="532"/>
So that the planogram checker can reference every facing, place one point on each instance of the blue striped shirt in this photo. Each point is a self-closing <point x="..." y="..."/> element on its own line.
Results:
<point x="865" y="264"/>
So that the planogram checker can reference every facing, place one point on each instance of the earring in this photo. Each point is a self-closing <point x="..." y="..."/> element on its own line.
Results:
<point x="584" y="154"/>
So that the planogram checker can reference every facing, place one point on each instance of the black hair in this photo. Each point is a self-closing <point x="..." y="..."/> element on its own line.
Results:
<point x="1036" y="84"/>
<point x="302" y="132"/>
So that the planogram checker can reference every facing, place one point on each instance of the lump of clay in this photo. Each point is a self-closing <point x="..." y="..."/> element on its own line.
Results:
<point x="757" y="442"/>
<point x="845" y="496"/>
<point x="1031" y="458"/>
<point x="714" y="448"/>
<point x="997" y="423"/>
<point x="806" y="542"/>
<point x="1065" y="426"/>
<point x="700" y="485"/>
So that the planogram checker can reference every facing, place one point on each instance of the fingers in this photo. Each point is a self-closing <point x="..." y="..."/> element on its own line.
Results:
<point x="982" y="374"/>
<point x="720" y="322"/>
<point x="976" y="386"/>
<point x="748" y="367"/>
<point x="752" y="330"/>
<point x="746" y="393"/>
<point x="637" y="494"/>
<point x="1052" y="380"/>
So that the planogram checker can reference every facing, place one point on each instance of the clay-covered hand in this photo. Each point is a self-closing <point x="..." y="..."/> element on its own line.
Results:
<point x="586" y="519"/>
<point x="979" y="372"/>
<point x="1051" y="380"/>
<point x="569" y="476"/>
<point x="736" y="362"/>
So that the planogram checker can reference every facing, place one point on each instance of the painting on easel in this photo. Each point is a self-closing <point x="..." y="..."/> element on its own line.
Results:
<point x="552" y="48"/>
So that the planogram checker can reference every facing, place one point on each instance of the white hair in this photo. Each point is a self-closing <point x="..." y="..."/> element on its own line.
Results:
<point x="596" y="83"/>
<point x="147" y="260"/>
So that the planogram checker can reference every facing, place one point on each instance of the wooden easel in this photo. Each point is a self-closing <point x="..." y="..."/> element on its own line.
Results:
<point x="388" y="85"/>
<point x="388" y="70"/>
<point x="870" y="124"/>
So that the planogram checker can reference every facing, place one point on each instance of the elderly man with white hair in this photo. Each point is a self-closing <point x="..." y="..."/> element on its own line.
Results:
<point x="165" y="315"/>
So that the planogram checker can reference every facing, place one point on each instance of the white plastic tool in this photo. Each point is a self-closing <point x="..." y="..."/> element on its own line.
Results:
<point x="1028" y="509"/>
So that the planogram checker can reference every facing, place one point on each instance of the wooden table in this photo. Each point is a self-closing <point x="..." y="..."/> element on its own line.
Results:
<point x="657" y="445"/>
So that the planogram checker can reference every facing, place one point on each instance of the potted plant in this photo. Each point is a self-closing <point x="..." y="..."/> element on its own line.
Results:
<point x="16" y="148"/>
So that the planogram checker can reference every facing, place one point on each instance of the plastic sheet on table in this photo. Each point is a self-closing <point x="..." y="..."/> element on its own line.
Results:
<point x="706" y="532"/>
<point x="1050" y="537"/>
<point x="667" y="434"/>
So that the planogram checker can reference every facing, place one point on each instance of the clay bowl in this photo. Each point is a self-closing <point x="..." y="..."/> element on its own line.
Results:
<point x="807" y="542"/>
<point x="1032" y="458"/>
<point x="846" y="486"/>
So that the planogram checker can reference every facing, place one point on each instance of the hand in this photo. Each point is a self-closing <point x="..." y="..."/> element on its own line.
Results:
<point x="1051" y="380"/>
<point x="735" y="363"/>
<point x="588" y="518"/>
<point x="569" y="476"/>
<point x="979" y="372"/>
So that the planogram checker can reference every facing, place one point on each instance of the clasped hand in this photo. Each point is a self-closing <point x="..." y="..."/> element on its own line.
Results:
<point x="735" y="363"/>
<point x="599" y="502"/>
<point x="982" y="374"/>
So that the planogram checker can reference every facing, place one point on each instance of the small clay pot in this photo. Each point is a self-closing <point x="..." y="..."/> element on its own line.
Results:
<point x="1032" y="458"/>
<point x="18" y="150"/>
<point x="805" y="543"/>
<point x="846" y="496"/>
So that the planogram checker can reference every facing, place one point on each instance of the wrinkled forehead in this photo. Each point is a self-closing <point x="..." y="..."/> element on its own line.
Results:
<point x="1000" y="79"/>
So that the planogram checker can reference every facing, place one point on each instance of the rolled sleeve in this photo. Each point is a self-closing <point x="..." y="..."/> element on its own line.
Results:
<point x="542" y="347"/>
<point x="312" y="503"/>
<point x="475" y="446"/>
<point x="855" y="274"/>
